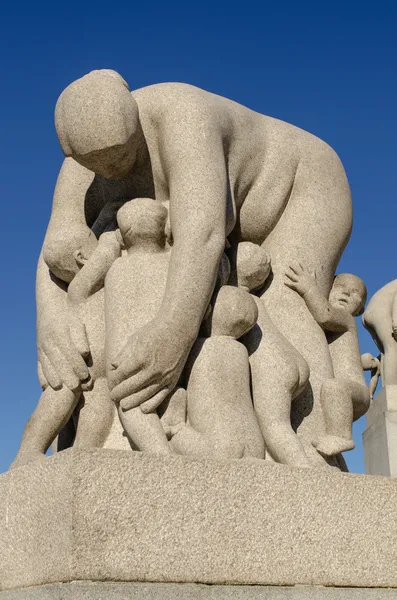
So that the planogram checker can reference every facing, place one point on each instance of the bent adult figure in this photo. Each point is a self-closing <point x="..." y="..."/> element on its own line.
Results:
<point x="226" y="171"/>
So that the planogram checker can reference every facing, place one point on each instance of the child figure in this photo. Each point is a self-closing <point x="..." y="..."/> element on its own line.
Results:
<point x="57" y="403"/>
<point x="221" y="419"/>
<point x="134" y="290"/>
<point x="346" y="397"/>
<point x="279" y="372"/>
<point x="134" y="285"/>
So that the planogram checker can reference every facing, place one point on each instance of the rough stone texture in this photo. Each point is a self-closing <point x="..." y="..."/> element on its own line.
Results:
<point x="119" y="516"/>
<point x="180" y="591"/>
<point x="36" y="523"/>
<point x="380" y="437"/>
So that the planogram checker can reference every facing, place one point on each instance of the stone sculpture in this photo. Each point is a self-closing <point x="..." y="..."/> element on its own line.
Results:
<point x="345" y="397"/>
<point x="134" y="287"/>
<point x="230" y="176"/>
<point x="279" y="372"/>
<point x="372" y="364"/>
<point x="178" y="321"/>
<point x="380" y="318"/>
<point x="221" y="419"/>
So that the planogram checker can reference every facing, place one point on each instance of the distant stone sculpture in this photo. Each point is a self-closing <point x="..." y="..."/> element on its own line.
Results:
<point x="345" y="397"/>
<point x="230" y="175"/>
<point x="380" y="318"/>
<point x="380" y="436"/>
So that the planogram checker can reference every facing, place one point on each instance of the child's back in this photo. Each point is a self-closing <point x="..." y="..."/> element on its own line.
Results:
<point x="134" y="289"/>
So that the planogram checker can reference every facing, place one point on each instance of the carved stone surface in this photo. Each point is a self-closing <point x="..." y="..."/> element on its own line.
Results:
<point x="122" y="516"/>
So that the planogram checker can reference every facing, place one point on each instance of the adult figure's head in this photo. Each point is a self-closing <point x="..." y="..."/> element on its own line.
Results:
<point x="97" y="123"/>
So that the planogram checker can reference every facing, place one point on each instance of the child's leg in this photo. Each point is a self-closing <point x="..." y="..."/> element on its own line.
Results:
<point x="95" y="417"/>
<point x="51" y="414"/>
<point x="272" y="405"/>
<point x="189" y="442"/>
<point x="145" y="430"/>
<point x="338" y="398"/>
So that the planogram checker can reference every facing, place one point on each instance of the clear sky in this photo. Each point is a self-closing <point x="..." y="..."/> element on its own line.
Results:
<point x="328" y="67"/>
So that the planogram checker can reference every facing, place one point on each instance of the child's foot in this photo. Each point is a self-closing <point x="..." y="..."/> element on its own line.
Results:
<point x="331" y="445"/>
<point x="24" y="458"/>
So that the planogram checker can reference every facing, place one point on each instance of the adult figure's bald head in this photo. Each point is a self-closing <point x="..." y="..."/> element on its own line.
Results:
<point x="97" y="122"/>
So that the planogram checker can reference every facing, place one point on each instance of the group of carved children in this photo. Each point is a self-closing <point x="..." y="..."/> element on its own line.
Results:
<point x="242" y="374"/>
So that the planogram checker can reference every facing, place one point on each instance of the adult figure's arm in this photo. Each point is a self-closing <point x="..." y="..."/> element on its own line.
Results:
<point x="61" y="362"/>
<point x="150" y="364"/>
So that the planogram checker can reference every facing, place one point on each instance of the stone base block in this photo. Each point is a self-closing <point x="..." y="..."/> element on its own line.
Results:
<point x="78" y="590"/>
<point x="380" y="436"/>
<point x="109" y="515"/>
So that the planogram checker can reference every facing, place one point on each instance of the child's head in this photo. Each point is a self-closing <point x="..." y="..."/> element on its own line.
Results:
<point x="252" y="265"/>
<point x="369" y="362"/>
<point x="235" y="312"/>
<point x="349" y="292"/>
<point x="142" y="219"/>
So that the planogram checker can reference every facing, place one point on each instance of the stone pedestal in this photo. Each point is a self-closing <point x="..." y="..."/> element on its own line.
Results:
<point x="115" y="516"/>
<point x="380" y="436"/>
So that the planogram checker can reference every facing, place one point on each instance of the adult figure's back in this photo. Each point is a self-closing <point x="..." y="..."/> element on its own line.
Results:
<point x="225" y="170"/>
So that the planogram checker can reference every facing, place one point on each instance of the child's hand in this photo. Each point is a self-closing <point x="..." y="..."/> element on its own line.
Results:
<point x="298" y="279"/>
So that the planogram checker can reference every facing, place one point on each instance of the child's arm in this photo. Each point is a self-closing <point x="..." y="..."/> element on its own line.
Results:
<point x="326" y="315"/>
<point x="91" y="277"/>
<point x="88" y="280"/>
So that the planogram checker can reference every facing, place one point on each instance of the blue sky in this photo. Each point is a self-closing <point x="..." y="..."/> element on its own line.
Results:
<point x="328" y="67"/>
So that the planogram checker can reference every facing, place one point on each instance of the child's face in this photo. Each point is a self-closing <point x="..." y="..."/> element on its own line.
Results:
<point x="349" y="293"/>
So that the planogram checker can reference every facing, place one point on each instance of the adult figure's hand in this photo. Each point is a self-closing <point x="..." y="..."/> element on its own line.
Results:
<point x="61" y="358"/>
<point x="61" y="354"/>
<point x="62" y="363"/>
<point x="149" y="366"/>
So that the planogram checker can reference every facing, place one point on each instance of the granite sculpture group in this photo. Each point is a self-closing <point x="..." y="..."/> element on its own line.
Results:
<point x="189" y="318"/>
<point x="186" y="294"/>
